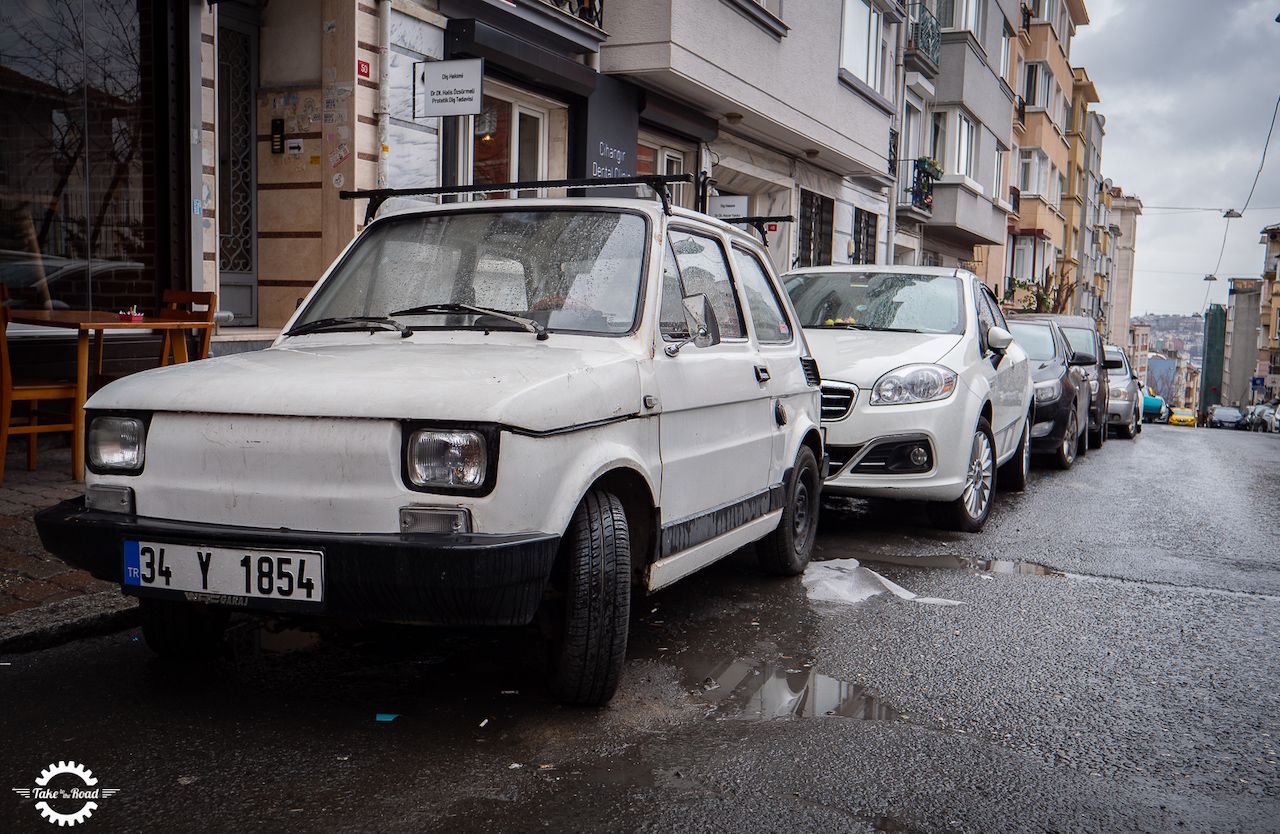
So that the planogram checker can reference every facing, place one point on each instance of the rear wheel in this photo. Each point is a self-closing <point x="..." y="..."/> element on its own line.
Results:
<point x="1065" y="455"/>
<point x="1099" y="436"/>
<point x="1131" y="429"/>
<point x="969" y="512"/>
<point x="1013" y="475"/>
<point x="590" y="606"/>
<point x="786" y="550"/>
<point x="182" y="630"/>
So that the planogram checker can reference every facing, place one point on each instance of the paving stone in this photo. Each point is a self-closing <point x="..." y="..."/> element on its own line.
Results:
<point x="35" y="590"/>
<point x="8" y="605"/>
<point x="73" y="580"/>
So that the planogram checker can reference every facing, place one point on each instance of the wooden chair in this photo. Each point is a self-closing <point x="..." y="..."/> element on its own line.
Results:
<point x="30" y="391"/>
<point x="181" y="305"/>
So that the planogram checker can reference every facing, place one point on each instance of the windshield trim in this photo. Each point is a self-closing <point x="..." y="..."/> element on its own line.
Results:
<point x="411" y="215"/>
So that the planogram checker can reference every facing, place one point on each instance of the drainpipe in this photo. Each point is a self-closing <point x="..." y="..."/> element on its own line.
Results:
<point x="900" y="105"/>
<point x="383" y="109"/>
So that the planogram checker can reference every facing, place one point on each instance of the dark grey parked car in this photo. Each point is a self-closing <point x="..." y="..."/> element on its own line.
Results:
<point x="1082" y="335"/>
<point x="1061" y="391"/>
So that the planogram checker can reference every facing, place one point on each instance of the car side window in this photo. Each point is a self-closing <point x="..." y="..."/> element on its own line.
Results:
<point x="762" y="300"/>
<point x="996" y="315"/>
<point x="704" y="269"/>
<point x="671" y="318"/>
<point x="986" y="320"/>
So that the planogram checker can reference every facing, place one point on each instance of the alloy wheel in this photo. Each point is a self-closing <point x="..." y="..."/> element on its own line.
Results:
<point x="977" y="490"/>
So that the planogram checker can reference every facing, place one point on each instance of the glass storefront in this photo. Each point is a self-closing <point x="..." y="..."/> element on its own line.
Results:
<point x="78" y="151"/>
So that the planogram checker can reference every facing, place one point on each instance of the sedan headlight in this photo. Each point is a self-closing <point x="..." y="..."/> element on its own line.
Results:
<point x="116" y="444"/>
<point x="914" y="384"/>
<point x="1119" y="392"/>
<point x="1047" y="392"/>
<point x="448" y="459"/>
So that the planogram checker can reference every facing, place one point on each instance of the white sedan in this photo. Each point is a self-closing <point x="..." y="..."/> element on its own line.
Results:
<point x="924" y="391"/>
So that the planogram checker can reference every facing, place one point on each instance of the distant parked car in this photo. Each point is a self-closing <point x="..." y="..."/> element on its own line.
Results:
<point x="1124" y="399"/>
<point x="1082" y="334"/>
<point x="1260" y="417"/>
<point x="1061" y="392"/>
<point x="1228" y="417"/>
<point x="1154" y="408"/>
<point x="924" y="390"/>
<point x="1182" y="417"/>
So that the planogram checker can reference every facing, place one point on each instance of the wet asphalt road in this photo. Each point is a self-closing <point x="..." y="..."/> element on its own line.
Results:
<point x="1113" y="667"/>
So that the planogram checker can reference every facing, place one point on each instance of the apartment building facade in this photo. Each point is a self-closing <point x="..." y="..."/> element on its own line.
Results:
<point x="1268" y="365"/>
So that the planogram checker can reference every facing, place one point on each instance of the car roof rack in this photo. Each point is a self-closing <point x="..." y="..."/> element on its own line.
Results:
<point x="758" y="223"/>
<point x="658" y="182"/>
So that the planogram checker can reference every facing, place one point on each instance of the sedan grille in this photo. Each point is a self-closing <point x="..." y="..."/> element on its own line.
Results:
<point x="837" y="401"/>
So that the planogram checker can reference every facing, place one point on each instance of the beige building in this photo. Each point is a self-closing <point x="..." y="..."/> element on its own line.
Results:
<point x="1268" y="307"/>
<point x="1138" y="346"/>
<point x="1125" y="210"/>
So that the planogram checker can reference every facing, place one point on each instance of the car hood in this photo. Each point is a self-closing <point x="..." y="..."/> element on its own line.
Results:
<point x="1045" y="371"/>
<point x="537" y="386"/>
<point x="861" y="357"/>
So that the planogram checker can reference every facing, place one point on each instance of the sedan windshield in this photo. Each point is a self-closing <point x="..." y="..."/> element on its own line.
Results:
<point x="1226" y="413"/>
<point x="537" y="270"/>
<point x="894" y="301"/>
<point x="1036" y="340"/>
<point x="1117" y="373"/>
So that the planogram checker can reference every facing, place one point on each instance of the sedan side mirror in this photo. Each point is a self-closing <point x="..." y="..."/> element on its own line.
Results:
<point x="700" y="319"/>
<point x="1081" y="358"/>
<point x="999" y="339"/>
<point x="1113" y="364"/>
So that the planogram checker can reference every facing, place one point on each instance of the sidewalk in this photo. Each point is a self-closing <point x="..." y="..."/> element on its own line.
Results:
<point x="44" y="601"/>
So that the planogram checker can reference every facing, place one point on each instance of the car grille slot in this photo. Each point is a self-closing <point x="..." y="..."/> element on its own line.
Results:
<point x="841" y="455"/>
<point x="811" y="374"/>
<point x="837" y="401"/>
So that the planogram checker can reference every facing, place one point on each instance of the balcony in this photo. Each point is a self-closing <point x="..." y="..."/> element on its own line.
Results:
<point x="917" y="203"/>
<point x="924" y="41"/>
<point x="588" y="11"/>
<point x="1020" y="110"/>
<point x="1015" y="199"/>
<point x="1026" y="18"/>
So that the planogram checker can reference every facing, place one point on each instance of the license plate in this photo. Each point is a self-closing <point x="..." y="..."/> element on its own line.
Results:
<point x="292" y="575"/>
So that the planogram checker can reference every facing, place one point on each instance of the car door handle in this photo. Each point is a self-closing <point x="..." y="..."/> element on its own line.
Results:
<point x="762" y="374"/>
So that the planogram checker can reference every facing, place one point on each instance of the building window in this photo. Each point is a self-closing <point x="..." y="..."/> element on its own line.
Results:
<point x="654" y="156"/>
<point x="963" y="14"/>
<point x="965" y="145"/>
<point x="509" y="144"/>
<point x="864" y="236"/>
<point x="860" y="45"/>
<point x="938" y="140"/>
<point x="998" y="181"/>
<point x="817" y="224"/>
<point x="1006" y="48"/>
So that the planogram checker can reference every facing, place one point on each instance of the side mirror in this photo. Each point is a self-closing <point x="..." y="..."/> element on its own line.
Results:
<point x="1079" y="357"/>
<point x="999" y="339"/>
<point x="700" y="319"/>
<point x="1113" y="364"/>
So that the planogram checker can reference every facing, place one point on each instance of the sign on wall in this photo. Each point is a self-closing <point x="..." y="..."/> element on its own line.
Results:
<point x="448" y="88"/>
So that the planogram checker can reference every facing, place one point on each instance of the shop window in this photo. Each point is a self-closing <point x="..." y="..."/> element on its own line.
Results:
<point x="817" y="224"/>
<point x="653" y="156"/>
<point x="508" y="145"/>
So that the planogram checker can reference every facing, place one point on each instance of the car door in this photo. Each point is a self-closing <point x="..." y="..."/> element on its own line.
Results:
<point x="1009" y="376"/>
<point x="716" y="425"/>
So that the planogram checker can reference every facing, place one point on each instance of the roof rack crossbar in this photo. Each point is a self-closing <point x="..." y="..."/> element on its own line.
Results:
<point x="658" y="182"/>
<point x="758" y="223"/>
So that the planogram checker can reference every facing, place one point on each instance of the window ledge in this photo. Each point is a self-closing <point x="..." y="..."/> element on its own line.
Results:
<point x="865" y="90"/>
<point x="760" y="16"/>
<point x="967" y="183"/>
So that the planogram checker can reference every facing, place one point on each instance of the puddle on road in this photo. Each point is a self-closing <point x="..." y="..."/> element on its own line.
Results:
<point x="762" y="691"/>
<point x="965" y="563"/>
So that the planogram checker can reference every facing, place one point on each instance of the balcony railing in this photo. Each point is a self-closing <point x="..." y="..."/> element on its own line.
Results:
<point x="1015" y="199"/>
<point x="1022" y="110"/>
<point x="589" y="11"/>
<point x="1026" y="17"/>
<point x="925" y="37"/>
<point x="893" y="152"/>
<point x="921" y="191"/>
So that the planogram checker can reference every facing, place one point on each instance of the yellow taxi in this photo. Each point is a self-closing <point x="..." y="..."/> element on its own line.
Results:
<point x="1182" y="417"/>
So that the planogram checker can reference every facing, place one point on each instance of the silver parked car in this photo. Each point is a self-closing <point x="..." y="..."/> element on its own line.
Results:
<point x="1124" y="404"/>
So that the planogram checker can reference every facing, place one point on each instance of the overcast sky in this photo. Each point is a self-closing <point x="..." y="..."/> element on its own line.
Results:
<point x="1188" y="88"/>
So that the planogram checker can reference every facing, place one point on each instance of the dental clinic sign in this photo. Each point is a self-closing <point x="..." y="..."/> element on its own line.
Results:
<point x="448" y="88"/>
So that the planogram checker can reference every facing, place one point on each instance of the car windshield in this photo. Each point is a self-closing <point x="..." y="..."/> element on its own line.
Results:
<point x="570" y="270"/>
<point x="1036" y="339"/>
<point x="878" y="301"/>
<point x="1080" y="339"/>
<point x="1117" y="373"/>
<point x="1226" y="412"/>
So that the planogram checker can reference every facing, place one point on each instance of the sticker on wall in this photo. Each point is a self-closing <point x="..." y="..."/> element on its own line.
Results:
<point x="338" y="180"/>
<point x="293" y="146"/>
<point x="330" y="26"/>
<point x="362" y="69"/>
<point x="315" y="159"/>
<point x="338" y="155"/>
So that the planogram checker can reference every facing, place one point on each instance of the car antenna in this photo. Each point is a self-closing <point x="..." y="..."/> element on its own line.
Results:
<point x="660" y="183"/>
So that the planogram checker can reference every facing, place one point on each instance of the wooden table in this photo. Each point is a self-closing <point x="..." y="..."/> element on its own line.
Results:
<point x="97" y="322"/>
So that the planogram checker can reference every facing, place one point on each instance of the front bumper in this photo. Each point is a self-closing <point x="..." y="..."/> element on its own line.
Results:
<point x="1056" y="415"/>
<point x="447" y="579"/>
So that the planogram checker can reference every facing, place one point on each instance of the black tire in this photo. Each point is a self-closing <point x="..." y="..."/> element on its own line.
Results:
<point x="1067" y="450"/>
<point x="1131" y="429"/>
<point x="969" y="512"/>
<point x="178" y="630"/>
<point x="591" y="605"/>
<point x="1098" y="437"/>
<point x="786" y="551"/>
<point x="1014" y="474"/>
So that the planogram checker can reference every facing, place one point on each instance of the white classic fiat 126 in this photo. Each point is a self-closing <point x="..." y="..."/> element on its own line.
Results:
<point x="485" y="412"/>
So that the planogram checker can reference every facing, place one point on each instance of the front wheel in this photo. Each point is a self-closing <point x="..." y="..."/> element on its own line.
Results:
<point x="179" y="630"/>
<point x="589" y="605"/>
<point x="786" y="551"/>
<point x="1131" y="429"/>
<point x="1065" y="455"/>
<point x="969" y="512"/>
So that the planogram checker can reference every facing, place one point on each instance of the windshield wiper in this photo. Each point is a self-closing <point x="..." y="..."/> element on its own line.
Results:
<point x="370" y="323"/>
<point x="528" y="324"/>
<point x="848" y="325"/>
